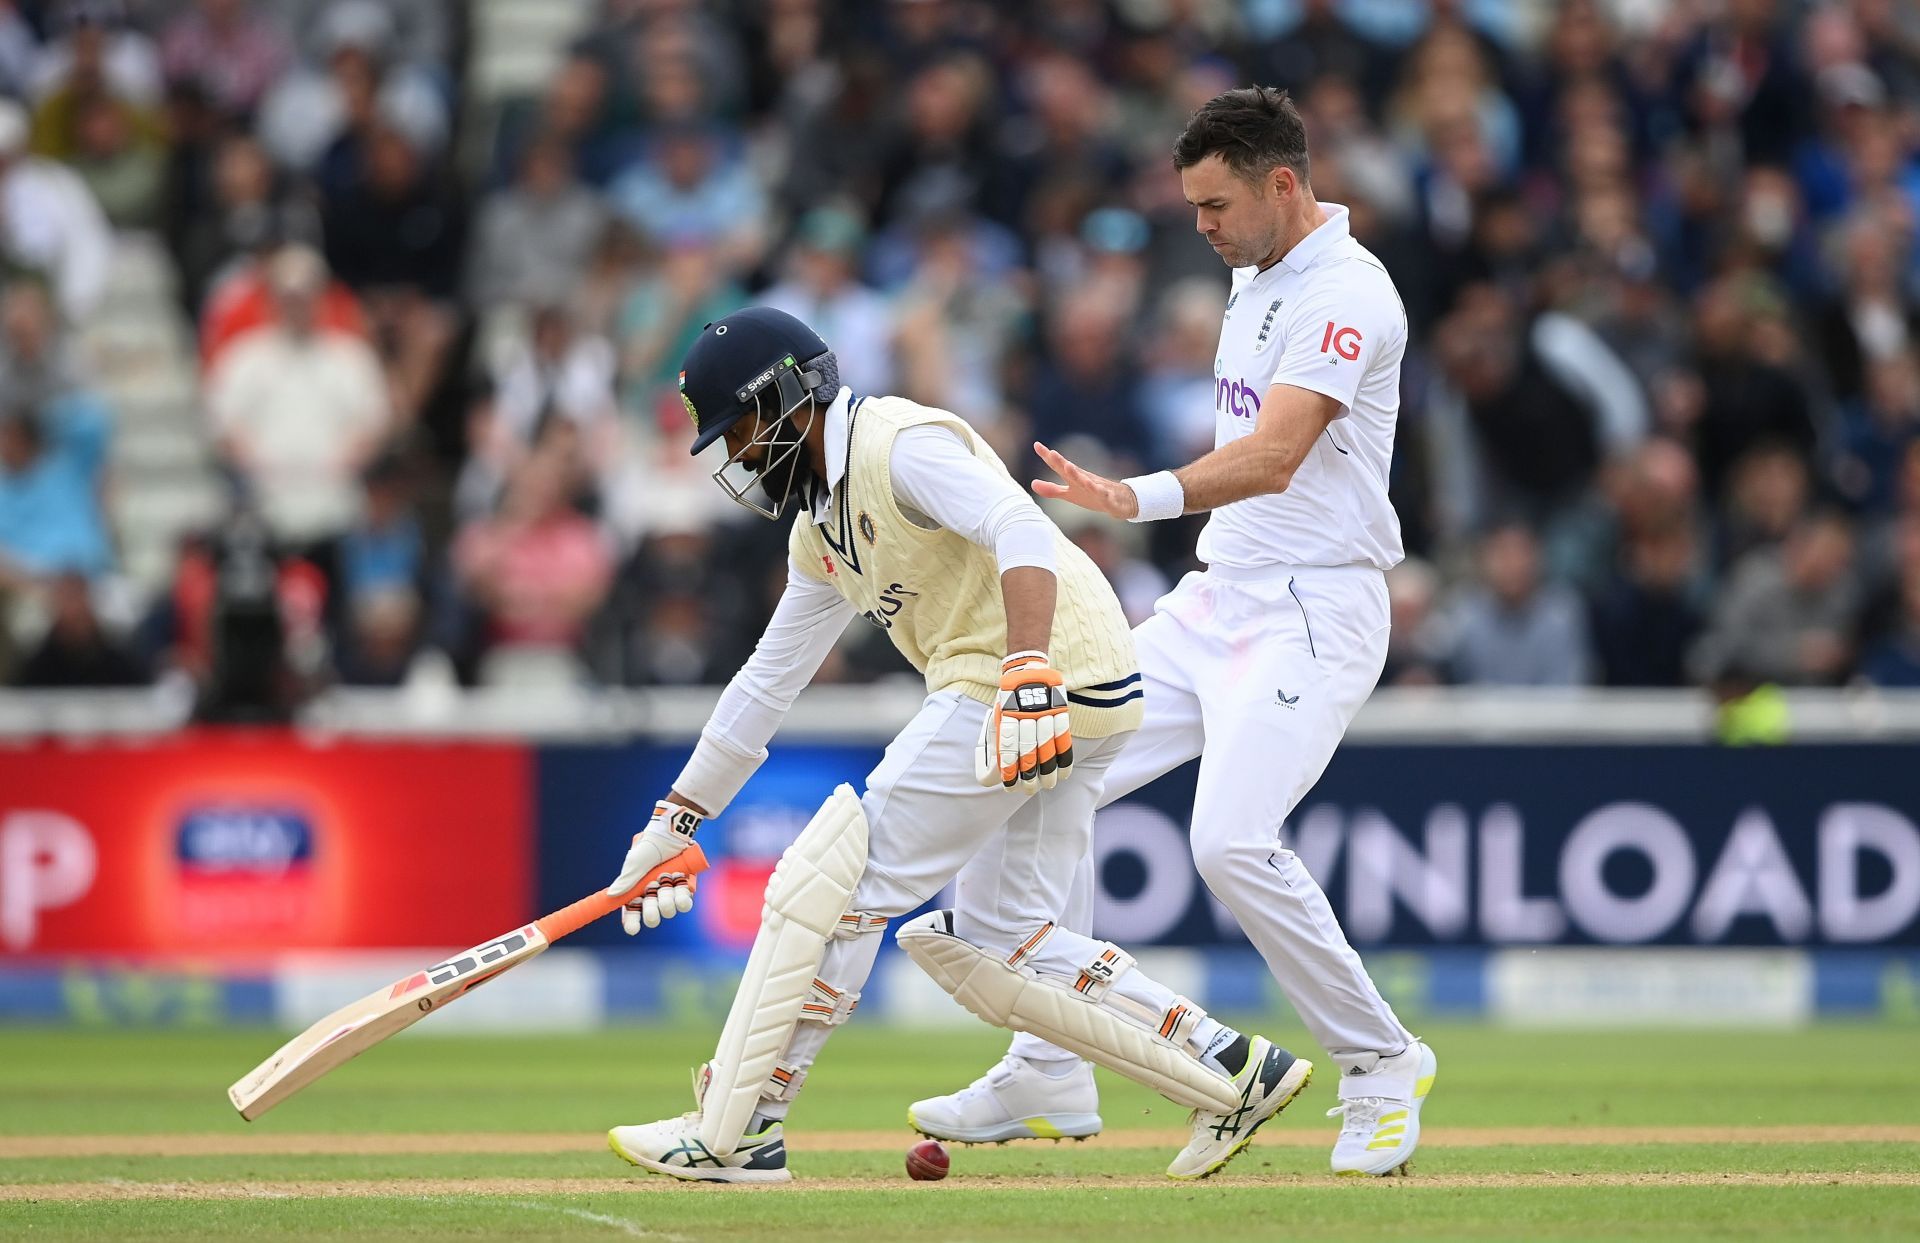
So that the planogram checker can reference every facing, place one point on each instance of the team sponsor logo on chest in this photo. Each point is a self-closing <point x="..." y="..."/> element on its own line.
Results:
<point x="1233" y="395"/>
<point x="891" y="600"/>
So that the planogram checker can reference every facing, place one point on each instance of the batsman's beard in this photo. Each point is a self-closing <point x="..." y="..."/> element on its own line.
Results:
<point x="783" y="472"/>
<point x="786" y="472"/>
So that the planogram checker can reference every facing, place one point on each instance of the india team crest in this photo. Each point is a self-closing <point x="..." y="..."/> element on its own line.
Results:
<point x="688" y="402"/>
<point x="868" y="531"/>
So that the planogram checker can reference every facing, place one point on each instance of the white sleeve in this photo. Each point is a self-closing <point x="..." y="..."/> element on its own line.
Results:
<point x="1343" y="322"/>
<point x="86" y="253"/>
<point x="806" y="623"/>
<point x="934" y="473"/>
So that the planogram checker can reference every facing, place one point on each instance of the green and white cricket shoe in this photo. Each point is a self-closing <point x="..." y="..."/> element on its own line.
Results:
<point x="1380" y="1112"/>
<point x="1268" y="1083"/>
<point x="1013" y="1100"/>
<point x="672" y="1147"/>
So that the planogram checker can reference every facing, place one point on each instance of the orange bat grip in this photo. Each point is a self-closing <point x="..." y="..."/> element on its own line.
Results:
<point x="570" y="919"/>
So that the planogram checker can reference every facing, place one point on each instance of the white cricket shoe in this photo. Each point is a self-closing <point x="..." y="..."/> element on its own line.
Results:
<point x="672" y="1146"/>
<point x="1268" y="1083"/>
<point x="1013" y="1100"/>
<point x="1381" y="1112"/>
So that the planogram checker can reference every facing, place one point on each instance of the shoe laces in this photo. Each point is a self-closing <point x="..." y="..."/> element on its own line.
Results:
<point x="1244" y="1081"/>
<point x="1361" y="1113"/>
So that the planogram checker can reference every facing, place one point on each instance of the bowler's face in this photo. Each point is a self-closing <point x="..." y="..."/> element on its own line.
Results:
<point x="1239" y="219"/>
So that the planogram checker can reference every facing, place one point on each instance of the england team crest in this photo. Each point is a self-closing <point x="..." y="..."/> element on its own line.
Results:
<point x="1266" y="326"/>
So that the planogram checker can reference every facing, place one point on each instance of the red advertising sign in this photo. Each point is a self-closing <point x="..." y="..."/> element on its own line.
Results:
<point x="233" y="843"/>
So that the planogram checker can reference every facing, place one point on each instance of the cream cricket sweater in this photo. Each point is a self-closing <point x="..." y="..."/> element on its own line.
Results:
<point x="937" y="593"/>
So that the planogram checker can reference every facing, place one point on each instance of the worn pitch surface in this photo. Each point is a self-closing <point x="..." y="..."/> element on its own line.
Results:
<point x="1807" y="1134"/>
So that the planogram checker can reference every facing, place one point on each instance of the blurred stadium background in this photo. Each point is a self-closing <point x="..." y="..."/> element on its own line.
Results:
<point x="359" y="595"/>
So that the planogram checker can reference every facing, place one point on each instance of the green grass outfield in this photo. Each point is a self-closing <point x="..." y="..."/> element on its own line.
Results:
<point x="1711" y="1134"/>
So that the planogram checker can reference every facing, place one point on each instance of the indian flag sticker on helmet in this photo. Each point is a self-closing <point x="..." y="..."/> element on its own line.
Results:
<point x="688" y="402"/>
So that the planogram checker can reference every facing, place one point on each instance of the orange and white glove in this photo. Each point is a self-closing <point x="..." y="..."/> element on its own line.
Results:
<point x="669" y="832"/>
<point x="1026" y="741"/>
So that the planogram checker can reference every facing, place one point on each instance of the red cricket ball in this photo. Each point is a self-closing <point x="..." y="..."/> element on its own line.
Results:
<point x="927" y="1161"/>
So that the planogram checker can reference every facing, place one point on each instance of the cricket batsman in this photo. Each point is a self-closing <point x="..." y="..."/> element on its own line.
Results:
<point x="1257" y="664"/>
<point x="906" y="517"/>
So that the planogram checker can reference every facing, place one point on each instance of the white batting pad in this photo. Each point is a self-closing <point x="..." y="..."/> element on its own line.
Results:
<point x="811" y="888"/>
<point x="1016" y="998"/>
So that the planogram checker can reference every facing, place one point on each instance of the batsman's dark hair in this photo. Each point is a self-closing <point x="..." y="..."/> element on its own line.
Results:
<point x="1254" y="129"/>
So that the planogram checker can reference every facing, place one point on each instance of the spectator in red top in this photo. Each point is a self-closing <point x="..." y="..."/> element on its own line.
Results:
<point x="537" y="570"/>
<point x="230" y="207"/>
<point x="245" y="302"/>
<point x="250" y="214"/>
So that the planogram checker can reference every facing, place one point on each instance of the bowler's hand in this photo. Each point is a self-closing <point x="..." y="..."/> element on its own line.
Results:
<point x="1084" y="488"/>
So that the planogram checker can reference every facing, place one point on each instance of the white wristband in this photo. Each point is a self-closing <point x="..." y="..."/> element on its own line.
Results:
<point x="1159" y="495"/>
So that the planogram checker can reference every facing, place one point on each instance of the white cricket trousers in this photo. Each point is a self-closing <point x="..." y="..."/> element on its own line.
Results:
<point x="1259" y="673"/>
<point x="1016" y="856"/>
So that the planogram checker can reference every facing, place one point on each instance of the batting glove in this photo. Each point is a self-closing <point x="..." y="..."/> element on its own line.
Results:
<point x="669" y="832"/>
<point x="1026" y="741"/>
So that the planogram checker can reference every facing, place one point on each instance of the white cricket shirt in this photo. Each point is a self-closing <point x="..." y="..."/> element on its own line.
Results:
<point x="1326" y="317"/>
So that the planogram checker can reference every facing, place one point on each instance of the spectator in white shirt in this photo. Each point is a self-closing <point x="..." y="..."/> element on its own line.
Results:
<point x="49" y="222"/>
<point x="556" y="374"/>
<point x="299" y="410"/>
<point x="361" y="71"/>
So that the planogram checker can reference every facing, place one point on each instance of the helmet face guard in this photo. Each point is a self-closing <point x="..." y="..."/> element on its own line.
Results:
<point x="772" y="397"/>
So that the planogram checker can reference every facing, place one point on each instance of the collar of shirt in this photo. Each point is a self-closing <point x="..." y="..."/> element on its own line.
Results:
<point x="1314" y="244"/>
<point x="839" y="417"/>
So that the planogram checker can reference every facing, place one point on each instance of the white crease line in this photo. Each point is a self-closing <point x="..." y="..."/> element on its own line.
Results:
<point x="632" y="1228"/>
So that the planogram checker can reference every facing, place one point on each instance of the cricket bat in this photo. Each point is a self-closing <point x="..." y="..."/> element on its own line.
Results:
<point x="353" y="1029"/>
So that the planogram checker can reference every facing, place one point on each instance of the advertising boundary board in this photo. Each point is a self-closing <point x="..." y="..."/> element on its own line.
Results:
<point x="1417" y="846"/>
<point x="230" y="844"/>
<point x="238" y="846"/>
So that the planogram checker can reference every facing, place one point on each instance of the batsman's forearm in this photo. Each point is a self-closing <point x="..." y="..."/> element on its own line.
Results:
<point x="1030" y="593"/>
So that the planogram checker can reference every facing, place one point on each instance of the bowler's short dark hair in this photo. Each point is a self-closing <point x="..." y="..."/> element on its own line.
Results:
<point x="1254" y="129"/>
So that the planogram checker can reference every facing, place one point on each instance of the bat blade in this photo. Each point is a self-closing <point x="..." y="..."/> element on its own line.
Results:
<point x="353" y="1029"/>
<point x="358" y="1026"/>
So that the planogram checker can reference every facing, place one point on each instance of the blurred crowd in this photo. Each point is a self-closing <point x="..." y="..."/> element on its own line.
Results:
<point x="1661" y="415"/>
